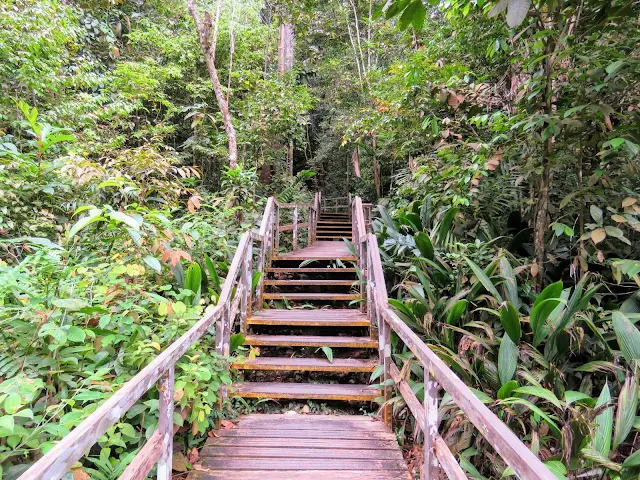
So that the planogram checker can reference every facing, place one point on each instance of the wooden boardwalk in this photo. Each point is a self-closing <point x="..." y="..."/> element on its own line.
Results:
<point x="290" y="334"/>
<point x="296" y="447"/>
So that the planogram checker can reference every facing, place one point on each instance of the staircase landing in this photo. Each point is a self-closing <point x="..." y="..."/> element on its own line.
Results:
<point x="296" y="447"/>
<point x="321" y="250"/>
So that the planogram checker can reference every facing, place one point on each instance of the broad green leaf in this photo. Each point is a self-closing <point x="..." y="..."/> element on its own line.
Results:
<point x="457" y="311"/>
<point x="626" y="411"/>
<point x="153" y="263"/>
<point x="507" y="359"/>
<point x="235" y="341"/>
<point x="76" y="334"/>
<point x="329" y="353"/>
<point x="498" y="8"/>
<point x="94" y="215"/>
<point x="604" y="424"/>
<point x="8" y="423"/>
<point x="12" y="403"/>
<point x="423" y="242"/>
<point x="484" y="280"/>
<point x="545" y="303"/>
<point x="124" y="218"/>
<point x="632" y="460"/>
<point x="557" y="468"/>
<point x="539" y="392"/>
<point x="517" y="12"/>
<point x="445" y="225"/>
<point x="69" y="304"/>
<point x="506" y="389"/>
<point x="571" y="397"/>
<point x="510" y="320"/>
<point x="510" y="284"/>
<point x="628" y="336"/>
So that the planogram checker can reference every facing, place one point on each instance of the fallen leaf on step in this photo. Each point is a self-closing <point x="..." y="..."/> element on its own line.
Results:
<point x="227" y="425"/>
<point x="194" y="455"/>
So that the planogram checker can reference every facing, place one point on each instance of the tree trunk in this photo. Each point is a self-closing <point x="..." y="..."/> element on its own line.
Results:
<point x="376" y="166"/>
<point x="285" y="48"/>
<point x="355" y="159"/>
<point x="209" y="51"/>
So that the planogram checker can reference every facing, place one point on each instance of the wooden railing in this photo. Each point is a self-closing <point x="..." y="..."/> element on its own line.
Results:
<point x="437" y="376"/>
<point x="308" y="212"/>
<point x="235" y="301"/>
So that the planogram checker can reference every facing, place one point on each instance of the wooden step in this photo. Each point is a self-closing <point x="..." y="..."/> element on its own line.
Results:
<point x="333" y="237"/>
<point x="309" y="270"/>
<point x="343" y="297"/>
<point x="334" y="222"/>
<point x="309" y="341"/>
<point x="315" y="391"/>
<point x="309" y="283"/>
<point x="310" y="318"/>
<point x="343" y="365"/>
<point x="303" y="256"/>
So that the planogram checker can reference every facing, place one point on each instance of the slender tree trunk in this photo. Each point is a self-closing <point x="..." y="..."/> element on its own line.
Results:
<point x="355" y="159"/>
<point x="355" y="50"/>
<point x="232" y="49"/>
<point x="209" y="51"/>
<point x="285" y="48"/>
<point x="541" y="222"/>
<point x="376" y="167"/>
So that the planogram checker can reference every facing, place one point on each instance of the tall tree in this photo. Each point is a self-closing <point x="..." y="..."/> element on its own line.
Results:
<point x="208" y="42"/>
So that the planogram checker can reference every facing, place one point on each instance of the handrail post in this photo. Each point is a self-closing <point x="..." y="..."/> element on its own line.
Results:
<point x="276" y="231"/>
<point x="430" y="428"/>
<point x="165" y="424"/>
<point x="295" y="227"/>
<point x="245" y="285"/>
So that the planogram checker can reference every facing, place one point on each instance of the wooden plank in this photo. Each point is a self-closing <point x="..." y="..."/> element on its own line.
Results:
<point x="309" y="341"/>
<point x="321" y="443"/>
<point x="447" y="461"/>
<point x="292" y="418"/>
<point x="210" y="474"/>
<point x="351" y="434"/>
<point x="310" y="270"/>
<point x="312" y="296"/>
<point x="317" y="319"/>
<point x="285" y="453"/>
<point x="307" y="364"/>
<point x="317" y="391"/>
<point x="165" y="424"/>
<point x="145" y="460"/>
<point x="311" y="283"/>
<point x="430" y="426"/>
<point x="306" y="463"/>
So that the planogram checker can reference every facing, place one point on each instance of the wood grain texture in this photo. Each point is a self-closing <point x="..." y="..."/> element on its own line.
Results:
<point x="310" y="283"/>
<point x="310" y="317"/>
<point x="310" y="341"/>
<point x="307" y="364"/>
<point x="293" y="446"/>
<point x="317" y="391"/>
<point x="344" y="297"/>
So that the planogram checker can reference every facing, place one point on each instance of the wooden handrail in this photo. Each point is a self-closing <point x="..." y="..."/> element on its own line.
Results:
<point x="437" y="375"/>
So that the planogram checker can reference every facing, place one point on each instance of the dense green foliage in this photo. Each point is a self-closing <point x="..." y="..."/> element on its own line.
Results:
<point x="500" y="139"/>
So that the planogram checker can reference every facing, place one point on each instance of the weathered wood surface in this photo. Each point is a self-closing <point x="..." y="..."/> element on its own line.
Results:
<point x="284" y="447"/>
<point x="147" y="457"/>
<point x="344" y="297"/>
<point x="320" y="251"/>
<point x="310" y="341"/>
<point x="310" y="317"/>
<point x="328" y="269"/>
<point x="310" y="283"/>
<point x="307" y="364"/>
<point x="317" y="391"/>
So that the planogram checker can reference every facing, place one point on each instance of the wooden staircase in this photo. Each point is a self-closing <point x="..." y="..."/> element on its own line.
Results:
<point x="314" y="300"/>
<point x="291" y="339"/>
